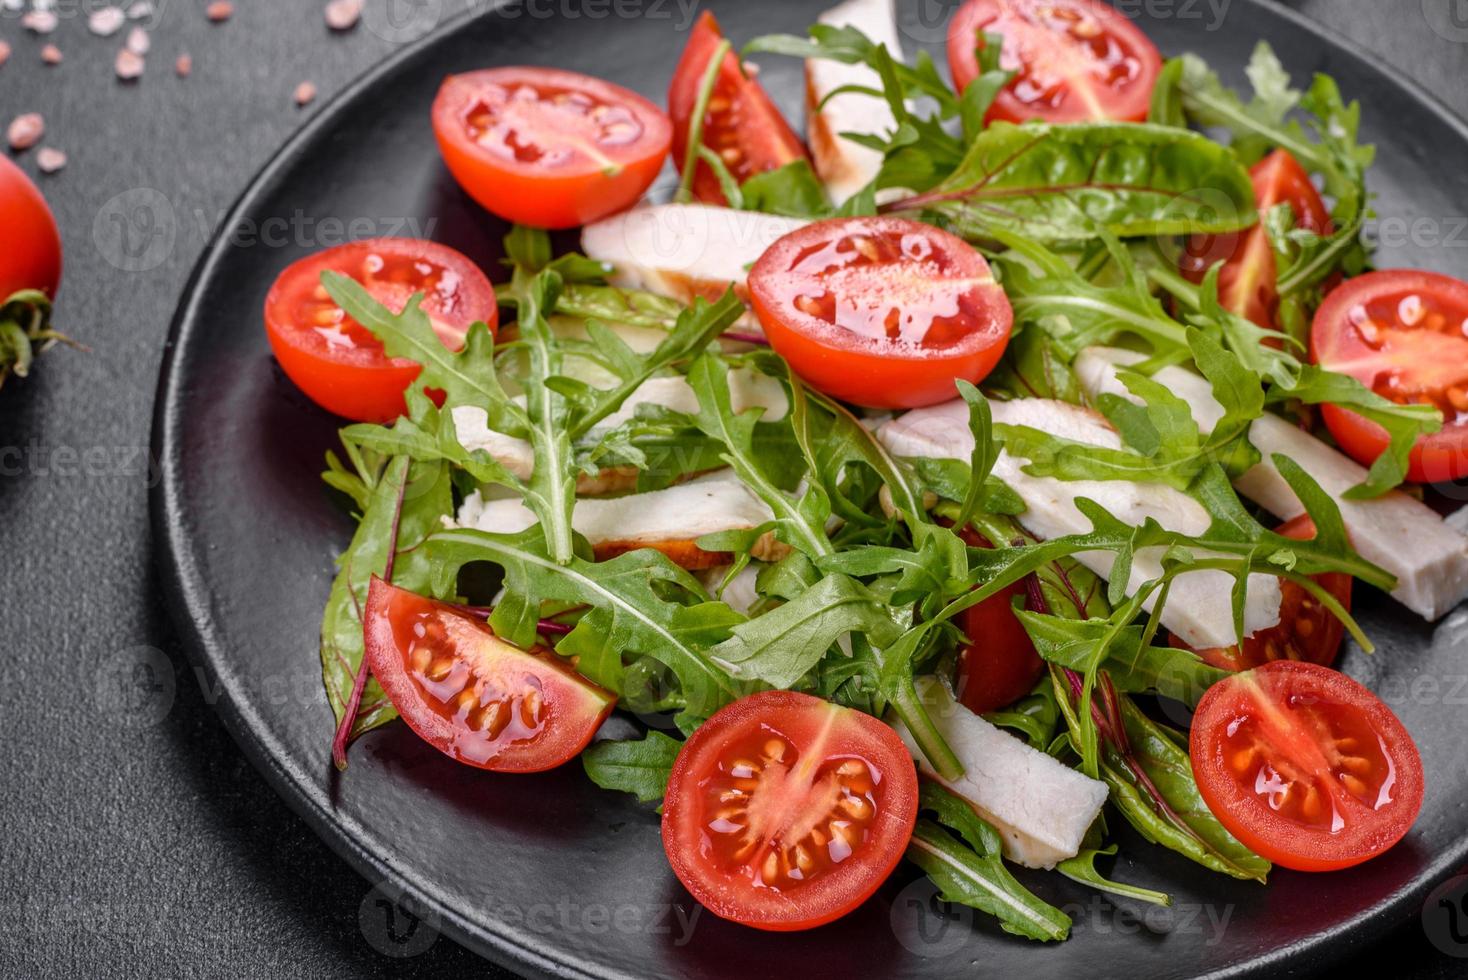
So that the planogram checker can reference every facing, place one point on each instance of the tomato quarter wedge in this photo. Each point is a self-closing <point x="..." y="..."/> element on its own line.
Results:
<point x="31" y="256"/>
<point x="785" y="812"/>
<point x="742" y="125"/>
<point x="1247" y="282"/>
<point x="548" y="148"/>
<point x="1305" y="766"/>
<point x="1307" y="630"/>
<point x="336" y="361"/>
<point x="883" y="312"/>
<point x="1075" y="60"/>
<point x="470" y="694"/>
<point x="998" y="665"/>
<point x="1404" y="334"/>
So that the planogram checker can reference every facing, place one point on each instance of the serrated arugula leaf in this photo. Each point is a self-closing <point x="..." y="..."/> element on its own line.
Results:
<point x="637" y="766"/>
<point x="792" y="190"/>
<point x="1082" y="868"/>
<point x="971" y="872"/>
<point x="781" y="646"/>
<point x="628" y="614"/>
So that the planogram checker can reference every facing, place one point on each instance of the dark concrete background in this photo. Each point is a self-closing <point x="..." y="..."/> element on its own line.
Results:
<point x="137" y="842"/>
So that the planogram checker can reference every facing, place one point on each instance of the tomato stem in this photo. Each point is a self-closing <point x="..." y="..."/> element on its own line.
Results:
<point x="343" y="735"/>
<point x="695" y="124"/>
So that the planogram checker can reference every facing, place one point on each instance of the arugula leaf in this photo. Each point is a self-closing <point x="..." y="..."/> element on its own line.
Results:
<point x="637" y="766"/>
<point x="467" y="376"/>
<point x="1082" y="868"/>
<point x="971" y="872"/>
<point x="426" y="498"/>
<point x="792" y="190"/>
<point x="1061" y="183"/>
<point x="781" y="646"/>
<point x="628" y="616"/>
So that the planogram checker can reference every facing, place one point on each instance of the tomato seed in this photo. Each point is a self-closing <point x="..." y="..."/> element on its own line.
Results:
<point x="440" y="668"/>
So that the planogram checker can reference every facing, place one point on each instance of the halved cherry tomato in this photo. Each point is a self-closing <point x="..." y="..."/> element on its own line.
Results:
<point x="336" y="361"/>
<point x="883" y="312"/>
<point x="998" y="665"/>
<point x="742" y="125"/>
<point x="548" y="148"/>
<point x="31" y="256"/>
<point x="1305" y="766"/>
<point x="1306" y="630"/>
<point x="784" y="811"/>
<point x="1246" y="282"/>
<point x="1076" y="60"/>
<point x="1404" y="333"/>
<point x="470" y="694"/>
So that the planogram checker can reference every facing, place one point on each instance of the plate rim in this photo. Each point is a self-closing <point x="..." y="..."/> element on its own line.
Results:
<point x="189" y="604"/>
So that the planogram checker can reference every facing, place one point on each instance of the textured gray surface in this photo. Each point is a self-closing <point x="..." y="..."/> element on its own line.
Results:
<point x="134" y="839"/>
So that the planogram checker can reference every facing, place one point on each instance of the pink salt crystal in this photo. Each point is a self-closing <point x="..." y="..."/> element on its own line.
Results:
<point x="25" y="131"/>
<point x="39" y="21"/>
<point x="4" y="52"/>
<point x="138" y="41"/>
<point x="342" y="15"/>
<point x="49" y="159"/>
<point x="129" y="65"/>
<point x="305" y="93"/>
<point x="51" y="54"/>
<point x="183" y="65"/>
<point x="219" y="11"/>
<point x="106" y="22"/>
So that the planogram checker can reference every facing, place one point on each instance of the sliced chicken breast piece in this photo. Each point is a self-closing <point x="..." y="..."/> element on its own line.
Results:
<point x="684" y="251"/>
<point x="1041" y="807"/>
<point x="845" y="166"/>
<point x="1401" y="534"/>
<point x="1198" y="608"/>
<point x="668" y="520"/>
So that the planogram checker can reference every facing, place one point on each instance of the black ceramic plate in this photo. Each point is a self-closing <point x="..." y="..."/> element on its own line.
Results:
<point x="547" y="873"/>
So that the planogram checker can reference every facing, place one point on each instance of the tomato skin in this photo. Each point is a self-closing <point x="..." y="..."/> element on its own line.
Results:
<point x="1425" y="362"/>
<point x="824" y="740"/>
<point x="31" y="257"/>
<point x="1306" y="630"/>
<point x="566" y="709"/>
<point x="963" y="315"/>
<point x="1284" y="711"/>
<point x="998" y="665"/>
<point x="1039" y="31"/>
<point x="1247" y="280"/>
<point x="742" y="123"/>
<point x="561" y="195"/>
<point x="347" y="373"/>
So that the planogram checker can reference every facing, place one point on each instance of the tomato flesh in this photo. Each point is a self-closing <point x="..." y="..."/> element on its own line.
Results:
<point x="1404" y="334"/>
<point x="1306" y="630"/>
<point x="1305" y="766"/>
<point x="741" y="124"/>
<point x="998" y="665"/>
<point x="883" y="312"/>
<point x="336" y="361"/>
<point x="784" y="811"/>
<point x="470" y="694"/>
<point x="1247" y="282"/>
<point x="31" y="257"/>
<point x="1075" y="60"/>
<point x="548" y="148"/>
